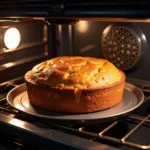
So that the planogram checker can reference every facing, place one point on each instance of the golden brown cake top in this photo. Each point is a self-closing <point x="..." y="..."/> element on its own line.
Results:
<point x="74" y="72"/>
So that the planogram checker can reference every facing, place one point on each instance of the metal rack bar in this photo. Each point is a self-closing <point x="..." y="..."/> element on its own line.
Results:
<point x="138" y="118"/>
<point x="11" y="82"/>
<point x="86" y="132"/>
<point x="22" y="47"/>
<point x="106" y="129"/>
<point x="142" y="85"/>
<point x="22" y="61"/>
<point x="134" y="129"/>
<point x="131" y="132"/>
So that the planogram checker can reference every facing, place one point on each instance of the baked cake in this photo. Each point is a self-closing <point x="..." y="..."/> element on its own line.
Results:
<point x="75" y="84"/>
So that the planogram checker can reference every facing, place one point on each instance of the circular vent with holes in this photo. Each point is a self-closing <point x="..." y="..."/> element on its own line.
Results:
<point x="122" y="46"/>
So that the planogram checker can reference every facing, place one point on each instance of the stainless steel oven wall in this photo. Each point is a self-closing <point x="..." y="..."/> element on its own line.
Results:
<point x="96" y="39"/>
<point x="64" y="40"/>
<point x="33" y="49"/>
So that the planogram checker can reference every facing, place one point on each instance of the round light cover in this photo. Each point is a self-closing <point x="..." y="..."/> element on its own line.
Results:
<point x="12" y="38"/>
<point x="82" y="26"/>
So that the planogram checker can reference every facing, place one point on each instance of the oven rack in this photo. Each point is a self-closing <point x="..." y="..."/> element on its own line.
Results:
<point x="101" y="134"/>
<point x="82" y="130"/>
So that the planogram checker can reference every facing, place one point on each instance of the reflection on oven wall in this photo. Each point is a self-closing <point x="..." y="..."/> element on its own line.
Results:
<point x="124" y="44"/>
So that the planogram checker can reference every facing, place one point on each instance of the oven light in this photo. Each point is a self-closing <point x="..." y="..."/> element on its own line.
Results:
<point x="82" y="26"/>
<point x="12" y="38"/>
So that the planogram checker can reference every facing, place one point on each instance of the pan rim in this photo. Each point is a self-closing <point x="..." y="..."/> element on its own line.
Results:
<point x="128" y="87"/>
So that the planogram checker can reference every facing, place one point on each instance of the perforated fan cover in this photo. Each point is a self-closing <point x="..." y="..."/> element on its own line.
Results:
<point x="121" y="46"/>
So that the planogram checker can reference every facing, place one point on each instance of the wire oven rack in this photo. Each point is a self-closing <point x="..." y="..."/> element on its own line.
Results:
<point x="96" y="132"/>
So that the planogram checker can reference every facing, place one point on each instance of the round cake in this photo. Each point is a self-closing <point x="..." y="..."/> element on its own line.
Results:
<point x="75" y="84"/>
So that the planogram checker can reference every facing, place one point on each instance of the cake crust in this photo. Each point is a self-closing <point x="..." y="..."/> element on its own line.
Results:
<point x="73" y="92"/>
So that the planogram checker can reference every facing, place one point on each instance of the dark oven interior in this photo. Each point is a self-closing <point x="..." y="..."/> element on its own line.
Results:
<point x="40" y="42"/>
<point x="64" y="28"/>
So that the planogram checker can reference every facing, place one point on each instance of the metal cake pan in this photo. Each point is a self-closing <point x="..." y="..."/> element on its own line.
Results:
<point x="133" y="97"/>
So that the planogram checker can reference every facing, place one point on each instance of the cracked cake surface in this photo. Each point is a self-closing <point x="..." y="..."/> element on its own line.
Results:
<point x="74" y="72"/>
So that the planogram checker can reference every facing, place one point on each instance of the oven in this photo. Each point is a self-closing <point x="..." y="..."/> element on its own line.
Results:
<point x="35" y="31"/>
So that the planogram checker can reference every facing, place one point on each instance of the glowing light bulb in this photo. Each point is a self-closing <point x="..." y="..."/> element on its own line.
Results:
<point x="82" y="26"/>
<point x="12" y="38"/>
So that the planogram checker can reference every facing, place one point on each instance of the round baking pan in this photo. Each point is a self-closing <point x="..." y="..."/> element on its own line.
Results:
<point x="133" y="97"/>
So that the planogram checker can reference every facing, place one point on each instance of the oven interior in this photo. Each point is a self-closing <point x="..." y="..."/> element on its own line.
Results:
<point x="49" y="29"/>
